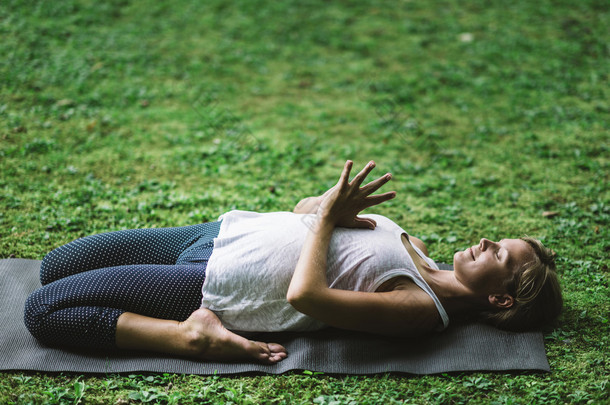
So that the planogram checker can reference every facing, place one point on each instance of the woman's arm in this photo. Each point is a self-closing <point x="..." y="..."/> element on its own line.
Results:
<point x="340" y="206"/>
<point x="308" y="205"/>
<point x="406" y="312"/>
<point x="400" y="312"/>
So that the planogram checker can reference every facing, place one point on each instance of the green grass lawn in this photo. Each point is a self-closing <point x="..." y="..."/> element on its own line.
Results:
<point x="123" y="114"/>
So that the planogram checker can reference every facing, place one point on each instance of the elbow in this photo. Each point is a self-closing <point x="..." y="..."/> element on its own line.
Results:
<point x="293" y="297"/>
<point x="304" y="295"/>
<point x="299" y="300"/>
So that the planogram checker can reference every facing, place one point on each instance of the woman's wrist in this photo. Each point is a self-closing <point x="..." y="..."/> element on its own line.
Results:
<point x="325" y="220"/>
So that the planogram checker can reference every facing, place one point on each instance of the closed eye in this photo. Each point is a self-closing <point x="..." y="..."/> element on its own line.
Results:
<point x="498" y="251"/>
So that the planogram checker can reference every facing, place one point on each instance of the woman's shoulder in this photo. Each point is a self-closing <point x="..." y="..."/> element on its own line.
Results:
<point x="420" y="244"/>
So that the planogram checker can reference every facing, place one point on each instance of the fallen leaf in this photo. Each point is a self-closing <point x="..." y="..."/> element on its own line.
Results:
<point x="304" y="84"/>
<point x="64" y="102"/>
<point x="97" y="66"/>
<point x="466" y="37"/>
<point x="550" y="214"/>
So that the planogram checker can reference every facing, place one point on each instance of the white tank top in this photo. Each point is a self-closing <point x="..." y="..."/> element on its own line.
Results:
<point x="255" y="255"/>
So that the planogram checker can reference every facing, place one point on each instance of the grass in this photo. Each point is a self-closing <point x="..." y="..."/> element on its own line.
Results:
<point x="124" y="114"/>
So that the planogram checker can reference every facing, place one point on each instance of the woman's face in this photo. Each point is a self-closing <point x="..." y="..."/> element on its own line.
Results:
<point x="485" y="268"/>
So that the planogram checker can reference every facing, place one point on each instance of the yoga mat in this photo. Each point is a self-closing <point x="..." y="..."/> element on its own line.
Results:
<point x="470" y="347"/>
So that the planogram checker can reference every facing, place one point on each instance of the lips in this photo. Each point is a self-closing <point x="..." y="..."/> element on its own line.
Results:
<point x="471" y="252"/>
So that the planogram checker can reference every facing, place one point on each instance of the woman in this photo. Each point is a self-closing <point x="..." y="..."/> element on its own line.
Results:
<point x="324" y="266"/>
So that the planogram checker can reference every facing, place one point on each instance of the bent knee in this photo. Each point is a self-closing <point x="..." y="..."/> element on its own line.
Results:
<point x="47" y="269"/>
<point x="50" y="268"/>
<point x="35" y="313"/>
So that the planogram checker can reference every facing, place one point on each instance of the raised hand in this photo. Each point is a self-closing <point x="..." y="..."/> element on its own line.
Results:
<point x="343" y="202"/>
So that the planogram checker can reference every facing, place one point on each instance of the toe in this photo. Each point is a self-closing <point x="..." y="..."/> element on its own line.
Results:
<point x="270" y="353"/>
<point x="276" y="348"/>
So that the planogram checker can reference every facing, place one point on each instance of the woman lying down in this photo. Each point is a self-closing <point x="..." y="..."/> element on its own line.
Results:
<point x="186" y="291"/>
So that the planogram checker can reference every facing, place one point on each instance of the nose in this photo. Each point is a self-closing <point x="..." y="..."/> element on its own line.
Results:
<point x="485" y="243"/>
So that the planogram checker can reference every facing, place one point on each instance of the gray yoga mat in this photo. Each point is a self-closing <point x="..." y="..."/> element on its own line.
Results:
<point x="472" y="347"/>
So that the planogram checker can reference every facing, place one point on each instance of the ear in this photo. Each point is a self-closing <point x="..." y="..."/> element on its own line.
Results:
<point x="501" y="301"/>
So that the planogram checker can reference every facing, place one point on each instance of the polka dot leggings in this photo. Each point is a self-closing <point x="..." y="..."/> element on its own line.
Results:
<point x="90" y="282"/>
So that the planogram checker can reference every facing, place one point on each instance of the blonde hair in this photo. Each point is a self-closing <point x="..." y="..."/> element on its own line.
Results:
<point x="536" y="292"/>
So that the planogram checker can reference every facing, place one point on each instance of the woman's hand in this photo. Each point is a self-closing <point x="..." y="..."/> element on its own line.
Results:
<point x="342" y="203"/>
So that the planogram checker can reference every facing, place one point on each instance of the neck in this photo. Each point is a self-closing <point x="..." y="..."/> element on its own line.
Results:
<point x="456" y="298"/>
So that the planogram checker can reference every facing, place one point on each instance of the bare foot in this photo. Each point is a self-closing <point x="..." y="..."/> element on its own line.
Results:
<point x="207" y="339"/>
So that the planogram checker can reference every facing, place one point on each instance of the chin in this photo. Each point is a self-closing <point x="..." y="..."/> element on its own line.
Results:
<point x="455" y="257"/>
<point x="462" y="256"/>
